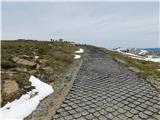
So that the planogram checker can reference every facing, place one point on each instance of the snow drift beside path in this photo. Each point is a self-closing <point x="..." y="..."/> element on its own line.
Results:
<point x="21" y="108"/>
<point x="79" y="51"/>
<point x="148" y="58"/>
<point x="77" y="56"/>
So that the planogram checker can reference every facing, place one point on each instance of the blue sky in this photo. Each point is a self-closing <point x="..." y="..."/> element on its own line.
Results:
<point x="106" y="24"/>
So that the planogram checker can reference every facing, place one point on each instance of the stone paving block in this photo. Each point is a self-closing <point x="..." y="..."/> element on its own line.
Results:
<point x="106" y="90"/>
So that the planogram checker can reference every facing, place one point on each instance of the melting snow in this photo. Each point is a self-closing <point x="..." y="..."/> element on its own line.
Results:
<point x="19" y="109"/>
<point x="143" y="52"/>
<point x="79" y="51"/>
<point x="149" y="58"/>
<point x="152" y="59"/>
<point x="77" y="56"/>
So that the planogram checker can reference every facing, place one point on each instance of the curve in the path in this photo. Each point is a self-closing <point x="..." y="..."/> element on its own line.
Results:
<point x="105" y="90"/>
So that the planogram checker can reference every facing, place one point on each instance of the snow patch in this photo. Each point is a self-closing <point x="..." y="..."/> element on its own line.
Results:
<point x="26" y="104"/>
<point x="79" y="51"/>
<point x="143" y="52"/>
<point x="77" y="56"/>
<point x="148" y="58"/>
<point x="153" y="59"/>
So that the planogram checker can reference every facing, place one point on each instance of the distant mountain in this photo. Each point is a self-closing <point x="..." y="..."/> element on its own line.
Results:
<point x="143" y="54"/>
<point x="134" y="51"/>
<point x="151" y="49"/>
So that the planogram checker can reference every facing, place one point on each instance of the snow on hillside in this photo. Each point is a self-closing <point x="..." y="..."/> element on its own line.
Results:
<point x="79" y="51"/>
<point x="138" y="54"/>
<point x="26" y="104"/>
<point x="143" y="52"/>
<point x="77" y="56"/>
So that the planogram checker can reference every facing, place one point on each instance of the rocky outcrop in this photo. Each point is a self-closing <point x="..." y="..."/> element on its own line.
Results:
<point x="23" y="61"/>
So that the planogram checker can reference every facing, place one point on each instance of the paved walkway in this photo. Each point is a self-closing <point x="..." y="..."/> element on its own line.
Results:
<point x="105" y="90"/>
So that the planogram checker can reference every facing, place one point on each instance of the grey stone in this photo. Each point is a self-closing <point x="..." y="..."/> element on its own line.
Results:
<point x="104" y="89"/>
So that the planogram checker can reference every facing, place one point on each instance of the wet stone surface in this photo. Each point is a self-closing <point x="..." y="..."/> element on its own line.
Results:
<point x="106" y="90"/>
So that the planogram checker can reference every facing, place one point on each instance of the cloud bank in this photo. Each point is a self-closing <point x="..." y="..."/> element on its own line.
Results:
<point x="106" y="24"/>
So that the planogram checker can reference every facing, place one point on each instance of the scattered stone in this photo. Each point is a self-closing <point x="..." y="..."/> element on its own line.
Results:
<point x="36" y="57"/>
<point x="42" y="61"/>
<point x="37" y="66"/>
<point x="21" y="69"/>
<point x="34" y="53"/>
<point x="25" y="56"/>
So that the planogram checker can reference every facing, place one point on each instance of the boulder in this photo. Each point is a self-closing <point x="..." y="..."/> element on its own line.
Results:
<point x="10" y="86"/>
<point x="21" y="69"/>
<point x="23" y="61"/>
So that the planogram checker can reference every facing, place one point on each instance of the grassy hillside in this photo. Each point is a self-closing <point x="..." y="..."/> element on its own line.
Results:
<point x="20" y="59"/>
<point x="145" y="69"/>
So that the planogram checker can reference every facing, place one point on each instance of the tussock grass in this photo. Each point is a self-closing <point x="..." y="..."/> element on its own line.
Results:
<point x="56" y="56"/>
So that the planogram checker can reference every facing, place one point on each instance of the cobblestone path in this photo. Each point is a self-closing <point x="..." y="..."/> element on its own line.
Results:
<point x="106" y="90"/>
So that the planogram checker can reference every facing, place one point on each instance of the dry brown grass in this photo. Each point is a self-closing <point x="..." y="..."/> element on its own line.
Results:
<point x="54" y="59"/>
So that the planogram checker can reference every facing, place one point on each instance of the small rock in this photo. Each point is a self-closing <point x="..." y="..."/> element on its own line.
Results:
<point x="36" y="57"/>
<point x="25" y="56"/>
<point x="37" y="66"/>
<point x="27" y="87"/>
<point x="32" y="72"/>
<point x="158" y="70"/>
<point x="42" y="61"/>
<point x="34" y="53"/>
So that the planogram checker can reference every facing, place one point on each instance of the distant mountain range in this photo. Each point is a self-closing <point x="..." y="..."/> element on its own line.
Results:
<point x="148" y="54"/>
<point x="151" y="49"/>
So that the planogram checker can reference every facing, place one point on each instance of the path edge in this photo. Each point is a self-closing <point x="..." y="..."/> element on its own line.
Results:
<point x="57" y="101"/>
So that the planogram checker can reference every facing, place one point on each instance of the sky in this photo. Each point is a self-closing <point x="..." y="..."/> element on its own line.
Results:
<point x="105" y="24"/>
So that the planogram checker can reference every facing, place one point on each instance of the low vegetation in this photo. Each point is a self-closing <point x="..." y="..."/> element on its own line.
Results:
<point x="21" y="58"/>
<point x="145" y="69"/>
